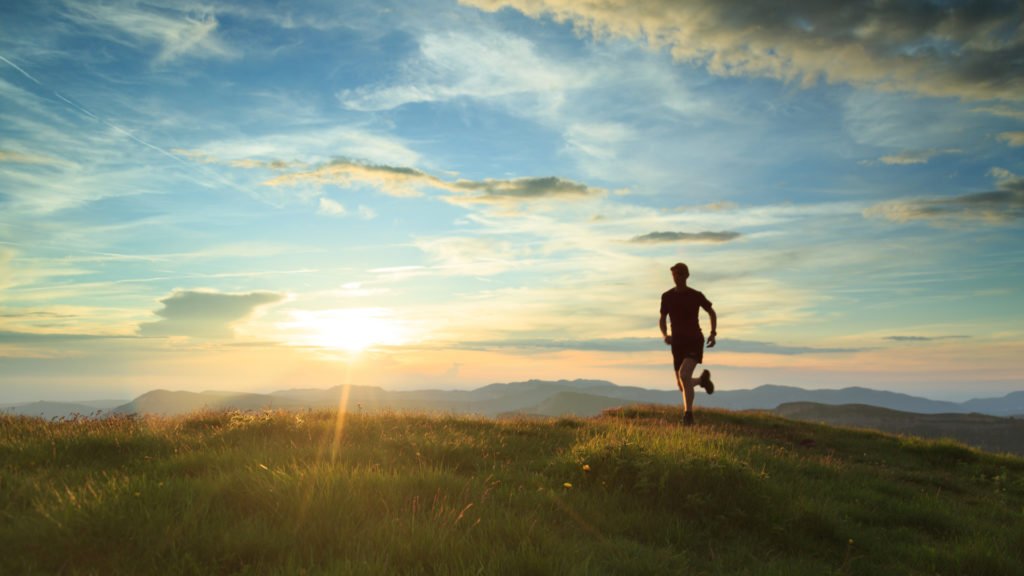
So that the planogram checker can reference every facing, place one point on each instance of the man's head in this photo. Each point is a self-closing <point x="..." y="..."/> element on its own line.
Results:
<point x="680" y="272"/>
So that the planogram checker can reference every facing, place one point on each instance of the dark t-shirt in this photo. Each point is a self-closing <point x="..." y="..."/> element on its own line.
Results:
<point x="682" y="306"/>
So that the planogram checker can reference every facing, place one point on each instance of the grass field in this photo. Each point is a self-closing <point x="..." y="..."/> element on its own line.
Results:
<point x="631" y="492"/>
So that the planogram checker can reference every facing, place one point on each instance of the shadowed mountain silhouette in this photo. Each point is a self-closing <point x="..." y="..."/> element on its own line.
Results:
<point x="531" y="395"/>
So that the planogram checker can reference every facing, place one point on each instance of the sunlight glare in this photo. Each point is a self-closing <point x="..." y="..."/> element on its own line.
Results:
<point x="349" y="329"/>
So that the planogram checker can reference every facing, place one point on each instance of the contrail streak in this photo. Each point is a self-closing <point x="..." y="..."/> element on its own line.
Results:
<point x="77" y="107"/>
<point x="130" y="135"/>
<point x="18" y="68"/>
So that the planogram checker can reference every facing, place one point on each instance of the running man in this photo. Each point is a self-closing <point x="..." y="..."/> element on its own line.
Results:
<point x="681" y="304"/>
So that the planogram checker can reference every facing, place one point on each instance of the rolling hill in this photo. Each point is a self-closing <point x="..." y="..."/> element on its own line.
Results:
<point x="627" y="492"/>
<point x="992" y="433"/>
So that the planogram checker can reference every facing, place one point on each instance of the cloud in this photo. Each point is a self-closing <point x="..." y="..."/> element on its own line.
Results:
<point x="597" y="344"/>
<point x="303" y="146"/>
<point x="487" y="64"/>
<point x="665" y="237"/>
<point x="1001" y="110"/>
<point x="13" y="157"/>
<point x="177" y="33"/>
<point x="1015" y="139"/>
<point x="331" y="207"/>
<point x="968" y="51"/>
<point x="915" y="157"/>
<point x="652" y="344"/>
<point x="366" y="213"/>
<point x="520" y="189"/>
<point x="1005" y="204"/>
<point x="925" y="338"/>
<point x="409" y="182"/>
<point x="204" y="314"/>
<point x="755" y="347"/>
<point x="473" y="256"/>
<point x="392" y="180"/>
<point x="12" y="337"/>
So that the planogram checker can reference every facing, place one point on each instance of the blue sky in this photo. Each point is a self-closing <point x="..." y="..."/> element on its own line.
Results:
<point x="254" y="196"/>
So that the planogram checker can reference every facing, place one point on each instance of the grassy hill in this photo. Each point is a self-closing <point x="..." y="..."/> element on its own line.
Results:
<point x="991" y="433"/>
<point x="629" y="492"/>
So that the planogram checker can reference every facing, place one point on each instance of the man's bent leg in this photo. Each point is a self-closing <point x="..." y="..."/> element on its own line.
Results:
<point x="685" y="378"/>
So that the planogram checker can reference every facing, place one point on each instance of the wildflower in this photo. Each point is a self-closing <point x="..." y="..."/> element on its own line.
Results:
<point x="586" y="467"/>
<point x="567" y="485"/>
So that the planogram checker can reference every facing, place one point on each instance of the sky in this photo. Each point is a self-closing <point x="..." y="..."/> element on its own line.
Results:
<point x="256" y="196"/>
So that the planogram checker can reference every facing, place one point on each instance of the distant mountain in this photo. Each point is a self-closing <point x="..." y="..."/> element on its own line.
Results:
<point x="1009" y="405"/>
<point x="574" y="404"/>
<point x="48" y="410"/>
<point x="770" y="396"/>
<point x="554" y="398"/>
<point x="171" y="403"/>
<point x="984" y="431"/>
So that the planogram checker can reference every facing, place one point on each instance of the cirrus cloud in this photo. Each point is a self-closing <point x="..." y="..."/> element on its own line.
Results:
<point x="177" y="32"/>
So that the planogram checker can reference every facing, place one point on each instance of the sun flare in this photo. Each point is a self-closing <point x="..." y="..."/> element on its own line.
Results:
<point x="349" y="329"/>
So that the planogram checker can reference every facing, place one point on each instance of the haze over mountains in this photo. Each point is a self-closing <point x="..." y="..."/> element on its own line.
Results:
<point x="995" y="424"/>
<point x="534" y="397"/>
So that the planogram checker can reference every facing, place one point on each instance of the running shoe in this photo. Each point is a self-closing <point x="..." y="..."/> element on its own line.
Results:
<point x="706" y="383"/>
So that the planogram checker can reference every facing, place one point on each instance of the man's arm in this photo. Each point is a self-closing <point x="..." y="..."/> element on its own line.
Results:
<point x="714" y="326"/>
<point x="664" y="329"/>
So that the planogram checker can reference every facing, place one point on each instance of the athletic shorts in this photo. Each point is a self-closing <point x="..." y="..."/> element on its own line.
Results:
<point x="682" y="348"/>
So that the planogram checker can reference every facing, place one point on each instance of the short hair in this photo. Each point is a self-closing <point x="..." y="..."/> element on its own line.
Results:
<point x="679" y="266"/>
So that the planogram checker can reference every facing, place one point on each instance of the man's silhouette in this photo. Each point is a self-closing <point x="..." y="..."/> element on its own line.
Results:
<point x="682" y="305"/>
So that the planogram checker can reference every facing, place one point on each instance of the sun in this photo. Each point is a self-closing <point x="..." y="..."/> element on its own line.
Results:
<point x="349" y="329"/>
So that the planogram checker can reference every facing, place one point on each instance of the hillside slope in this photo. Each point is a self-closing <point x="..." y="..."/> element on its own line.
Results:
<point x="629" y="492"/>
<point x="979" y="430"/>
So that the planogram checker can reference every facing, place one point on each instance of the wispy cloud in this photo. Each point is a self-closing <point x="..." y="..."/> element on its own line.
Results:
<point x="1002" y="110"/>
<point x="410" y="182"/>
<point x="15" y="157"/>
<point x="473" y="256"/>
<point x="1015" y="139"/>
<point x="756" y="347"/>
<point x="915" y="156"/>
<point x="205" y="314"/>
<point x="668" y="237"/>
<point x="936" y="50"/>
<point x="1004" y="204"/>
<point x="303" y="146"/>
<point x="392" y="180"/>
<point x="331" y="207"/>
<point x="489" y="65"/>
<point x="176" y="33"/>
<point x="652" y="344"/>
<point x="925" y="338"/>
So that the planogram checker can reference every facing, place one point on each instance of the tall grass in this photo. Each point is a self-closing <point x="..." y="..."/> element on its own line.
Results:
<point x="630" y="492"/>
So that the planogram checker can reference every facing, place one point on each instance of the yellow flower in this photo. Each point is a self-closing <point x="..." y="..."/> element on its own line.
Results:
<point x="567" y="485"/>
<point x="586" y="467"/>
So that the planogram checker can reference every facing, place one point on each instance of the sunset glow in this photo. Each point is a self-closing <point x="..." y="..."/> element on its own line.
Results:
<point x="239" y="195"/>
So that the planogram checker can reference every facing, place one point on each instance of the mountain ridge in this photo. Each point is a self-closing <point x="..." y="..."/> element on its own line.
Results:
<point x="519" y="396"/>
